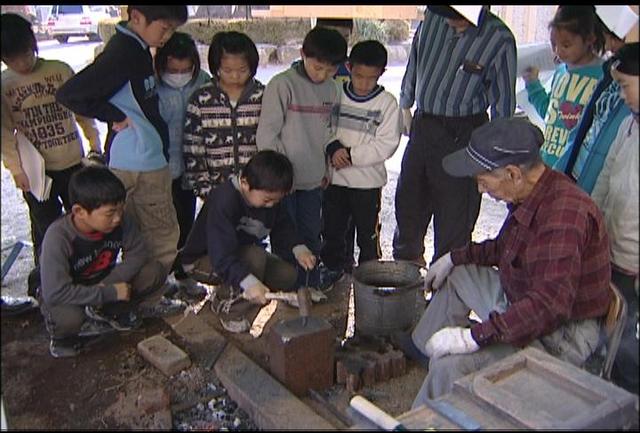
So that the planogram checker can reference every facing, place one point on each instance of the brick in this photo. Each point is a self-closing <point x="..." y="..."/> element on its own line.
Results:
<point x="164" y="355"/>
<point x="398" y="363"/>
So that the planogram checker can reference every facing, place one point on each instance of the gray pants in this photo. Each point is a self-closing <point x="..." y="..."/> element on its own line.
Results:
<point x="471" y="287"/>
<point x="146" y="288"/>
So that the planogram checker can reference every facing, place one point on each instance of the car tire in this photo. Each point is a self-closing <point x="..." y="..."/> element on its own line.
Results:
<point x="62" y="38"/>
<point x="94" y="37"/>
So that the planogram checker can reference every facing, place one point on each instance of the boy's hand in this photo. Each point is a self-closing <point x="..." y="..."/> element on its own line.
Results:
<point x="119" y="126"/>
<point x="530" y="74"/>
<point x="123" y="291"/>
<point x="256" y="294"/>
<point x="22" y="182"/>
<point x="307" y="260"/>
<point x="406" y="121"/>
<point x="341" y="159"/>
<point x="324" y="183"/>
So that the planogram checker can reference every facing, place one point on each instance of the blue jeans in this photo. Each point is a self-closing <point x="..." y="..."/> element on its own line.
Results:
<point x="304" y="207"/>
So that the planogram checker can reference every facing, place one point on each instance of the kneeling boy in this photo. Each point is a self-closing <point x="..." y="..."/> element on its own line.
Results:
<point x="85" y="291"/>
<point x="227" y="237"/>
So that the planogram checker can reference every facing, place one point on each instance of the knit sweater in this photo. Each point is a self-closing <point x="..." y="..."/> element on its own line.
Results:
<point x="297" y="122"/>
<point x="29" y="106"/>
<point x="219" y="139"/>
<point x="369" y="127"/>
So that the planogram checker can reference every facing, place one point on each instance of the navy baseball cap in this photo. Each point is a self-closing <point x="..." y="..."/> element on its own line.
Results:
<point x="496" y="144"/>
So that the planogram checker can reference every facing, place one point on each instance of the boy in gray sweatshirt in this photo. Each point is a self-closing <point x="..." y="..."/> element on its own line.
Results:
<point x="86" y="290"/>
<point x="297" y="123"/>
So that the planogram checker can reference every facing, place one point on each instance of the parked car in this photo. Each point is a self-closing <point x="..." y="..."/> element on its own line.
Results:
<point x="76" y="20"/>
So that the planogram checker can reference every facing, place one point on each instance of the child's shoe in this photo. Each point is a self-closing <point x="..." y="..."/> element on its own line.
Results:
<point x="163" y="308"/>
<point x="121" y="322"/>
<point x="63" y="347"/>
<point x="91" y="328"/>
<point x="329" y="277"/>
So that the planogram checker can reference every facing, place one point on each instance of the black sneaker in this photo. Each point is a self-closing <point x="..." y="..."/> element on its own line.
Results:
<point x="121" y="322"/>
<point x="92" y="328"/>
<point x="73" y="346"/>
<point x="329" y="277"/>
<point x="163" y="308"/>
<point x="11" y="306"/>
<point x="64" y="347"/>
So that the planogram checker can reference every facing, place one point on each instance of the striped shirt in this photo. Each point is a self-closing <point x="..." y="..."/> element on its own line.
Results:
<point x="461" y="74"/>
<point x="552" y="255"/>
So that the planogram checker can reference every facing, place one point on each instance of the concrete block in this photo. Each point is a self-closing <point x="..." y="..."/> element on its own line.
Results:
<point x="163" y="355"/>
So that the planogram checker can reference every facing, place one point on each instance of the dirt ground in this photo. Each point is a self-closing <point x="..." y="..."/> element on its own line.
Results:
<point x="99" y="389"/>
<point x="96" y="389"/>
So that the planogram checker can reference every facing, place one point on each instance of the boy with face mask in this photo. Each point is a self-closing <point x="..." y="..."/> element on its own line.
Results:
<point x="177" y="66"/>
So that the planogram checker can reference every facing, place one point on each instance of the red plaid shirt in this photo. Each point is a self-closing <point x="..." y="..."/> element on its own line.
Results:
<point x="552" y="255"/>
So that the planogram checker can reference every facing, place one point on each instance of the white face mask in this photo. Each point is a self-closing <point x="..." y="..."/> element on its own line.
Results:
<point x="177" y="81"/>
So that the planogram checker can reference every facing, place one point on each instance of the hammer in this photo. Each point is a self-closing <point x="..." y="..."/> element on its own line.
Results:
<point x="304" y="303"/>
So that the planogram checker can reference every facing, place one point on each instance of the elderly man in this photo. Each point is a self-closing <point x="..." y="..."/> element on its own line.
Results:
<point x="551" y="286"/>
<point x="456" y="71"/>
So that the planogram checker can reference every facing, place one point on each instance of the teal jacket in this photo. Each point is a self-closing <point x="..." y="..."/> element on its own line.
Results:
<point x="562" y="108"/>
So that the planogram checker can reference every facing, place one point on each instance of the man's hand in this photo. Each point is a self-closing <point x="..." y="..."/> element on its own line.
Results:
<point x="341" y="159"/>
<point x="438" y="272"/>
<point x="307" y="260"/>
<point x="451" y="341"/>
<point x="123" y="291"/>
<point x="119" y="126"/>
<point x="530" y="74"/>
<point x="256" y="293"/>
<point x="22" y="182"/>
<point x="406" y="121"/>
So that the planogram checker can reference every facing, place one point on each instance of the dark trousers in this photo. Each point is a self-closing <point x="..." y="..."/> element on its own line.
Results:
<point x="345" y="207"/>
<point x="625" y="367"/>
<point x="305" y="208"/>
<point x="42" y="214"/>
<point x="185" y="203"/>
<point x="425" y="190"/>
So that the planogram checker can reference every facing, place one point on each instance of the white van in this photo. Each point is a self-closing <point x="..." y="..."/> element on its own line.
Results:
<point x="76" y="20"/>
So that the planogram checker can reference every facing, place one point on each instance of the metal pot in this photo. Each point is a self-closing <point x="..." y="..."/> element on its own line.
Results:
<point x="385" y="296"/>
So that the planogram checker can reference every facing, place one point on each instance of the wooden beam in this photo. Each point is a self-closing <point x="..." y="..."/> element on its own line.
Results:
<point x="269" y="404"/>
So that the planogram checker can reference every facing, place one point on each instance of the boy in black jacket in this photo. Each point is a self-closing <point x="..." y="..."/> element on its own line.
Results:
<point x="119" y="88"/>
<point x="227" y="237"/>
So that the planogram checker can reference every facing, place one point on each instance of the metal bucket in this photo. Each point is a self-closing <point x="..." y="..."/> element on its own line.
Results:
<point x="385" y="296"/>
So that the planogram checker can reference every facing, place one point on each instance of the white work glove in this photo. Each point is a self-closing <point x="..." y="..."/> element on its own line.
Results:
<point x="256" y="293"/>
<point x="406" y="121"/>
<point x="438" y="272"/>
<point x="451" y="341"/>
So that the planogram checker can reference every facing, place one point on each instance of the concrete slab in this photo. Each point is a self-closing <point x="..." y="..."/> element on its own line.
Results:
<point x="164" y="355"/>
<point x="269" y="404"/>
<point x="203" y="342"/>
